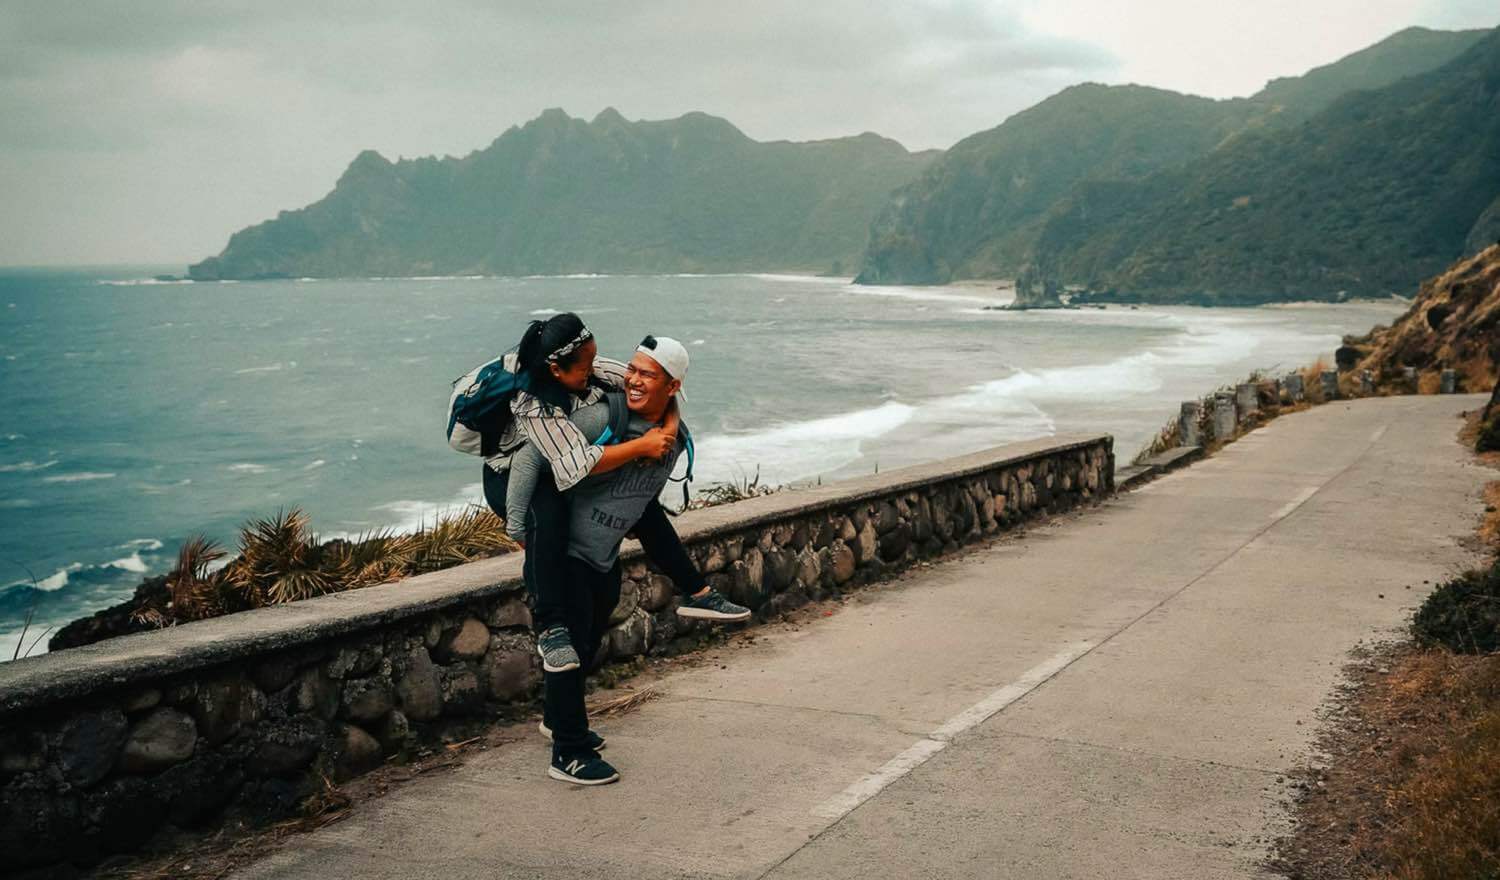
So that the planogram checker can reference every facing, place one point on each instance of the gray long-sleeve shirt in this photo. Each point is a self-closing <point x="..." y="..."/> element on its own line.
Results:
<point x="604" y="507"/>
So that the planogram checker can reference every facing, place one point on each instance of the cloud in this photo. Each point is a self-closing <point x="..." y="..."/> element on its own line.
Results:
<point x="146" y="132"/>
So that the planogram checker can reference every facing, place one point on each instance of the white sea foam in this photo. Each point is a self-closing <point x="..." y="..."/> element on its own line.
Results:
<point x="132" y="563"/>
<point x="246" y="467"/>
<point x="544" y="312"/>
<point x="55" y="581"/>
<point x="314" y="465"/>
<point x="797" y="450"/>
<point x="26" y="467"/>
<point x="924" y="294"/>
<point x="142" y="545"/>
<point x="696" y="342"/>
<point x="80" y="477"/>
<point x="271" y="368"/>
<point x="145" y="282"/>
<point x="800" y="279"/>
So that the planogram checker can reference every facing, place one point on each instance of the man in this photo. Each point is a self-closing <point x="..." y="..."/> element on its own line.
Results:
<point x="604" y="509"/>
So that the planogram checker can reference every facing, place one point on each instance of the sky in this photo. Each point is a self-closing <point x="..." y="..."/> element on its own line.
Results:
<point x="147" y="132"/>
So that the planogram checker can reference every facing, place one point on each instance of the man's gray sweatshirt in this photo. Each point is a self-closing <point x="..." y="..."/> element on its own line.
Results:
<point x="604" y="506"/>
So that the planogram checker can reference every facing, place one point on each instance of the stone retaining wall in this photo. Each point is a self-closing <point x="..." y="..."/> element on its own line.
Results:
<point x="242" y="716"/>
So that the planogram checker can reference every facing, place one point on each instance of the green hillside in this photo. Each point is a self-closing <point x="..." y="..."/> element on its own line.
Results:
<point x="980" y="209"/>
<point x="562" y="195"/>
<point x="1377" y="192"/>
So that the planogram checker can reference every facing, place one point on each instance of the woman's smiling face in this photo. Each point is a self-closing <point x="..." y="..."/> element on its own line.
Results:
<point x="575" y="377"/>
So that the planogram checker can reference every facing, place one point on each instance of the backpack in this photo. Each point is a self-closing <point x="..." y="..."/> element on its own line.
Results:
<point x="479" y="407"/>
<point x="619" y="422"/>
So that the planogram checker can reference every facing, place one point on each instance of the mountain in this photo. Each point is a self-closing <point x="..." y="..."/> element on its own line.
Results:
<point x="1402" y="54"/>
<point x="562" y="195"/>
<point x="975" y="211"/>
<point x="1379" y="190"/>
<point x="980" y="209"/>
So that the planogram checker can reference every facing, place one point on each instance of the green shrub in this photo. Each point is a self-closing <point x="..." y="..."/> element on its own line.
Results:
<point x="1463" y="614"/>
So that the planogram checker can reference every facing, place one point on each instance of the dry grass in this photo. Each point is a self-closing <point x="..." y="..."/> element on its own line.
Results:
<point x="1411" y="789"/>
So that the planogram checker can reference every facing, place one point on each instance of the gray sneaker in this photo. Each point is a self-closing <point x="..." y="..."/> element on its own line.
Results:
<point x="712" y="606"/>
<point x="556" y="648"/>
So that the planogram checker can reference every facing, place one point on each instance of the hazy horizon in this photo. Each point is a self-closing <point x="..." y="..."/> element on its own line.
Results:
<point x="146" y="136"/>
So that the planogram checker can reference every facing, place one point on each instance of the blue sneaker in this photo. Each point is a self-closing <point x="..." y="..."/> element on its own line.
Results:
<point x="556" y="648"/>
<point x="596" y="742"/>
<point x="712" y="606"/>
<point x="585" y="769"/>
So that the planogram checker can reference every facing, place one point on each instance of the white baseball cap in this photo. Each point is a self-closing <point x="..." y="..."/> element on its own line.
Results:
<point x="668" y="352"/>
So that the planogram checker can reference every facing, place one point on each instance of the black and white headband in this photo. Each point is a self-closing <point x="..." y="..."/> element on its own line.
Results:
<point x="583" y="336"/>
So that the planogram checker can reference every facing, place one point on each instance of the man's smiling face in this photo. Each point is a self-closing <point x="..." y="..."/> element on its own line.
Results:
<point x="647" y="386"/>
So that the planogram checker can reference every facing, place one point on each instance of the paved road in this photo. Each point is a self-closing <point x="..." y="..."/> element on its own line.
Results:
<point x="1115" y="695"/>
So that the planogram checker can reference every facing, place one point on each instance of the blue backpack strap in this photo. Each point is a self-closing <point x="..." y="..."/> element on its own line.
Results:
<point x="619" y="420"/>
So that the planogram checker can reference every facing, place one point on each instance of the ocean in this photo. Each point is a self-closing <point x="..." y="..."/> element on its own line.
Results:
<point x="135" y="413"/>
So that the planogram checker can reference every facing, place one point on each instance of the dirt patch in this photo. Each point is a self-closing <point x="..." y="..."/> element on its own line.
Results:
<point x="1406" y="781"/>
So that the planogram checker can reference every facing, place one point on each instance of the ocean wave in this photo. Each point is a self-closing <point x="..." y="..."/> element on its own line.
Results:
<point x="797" y="450"/>
<point x="145" y="282"/>
<point x="271" y="368"/>
<point x="245" y="467"/>
<point x="26" y="467"/>
<point x="923" y="294"/>
<point x="314" y="465"/>
<point x="132" y="563"/>
<point x="144" y="545"/>
<point x="16" y="503"/>
<point x="800" y="279"/>
<point x="80" y="477"/>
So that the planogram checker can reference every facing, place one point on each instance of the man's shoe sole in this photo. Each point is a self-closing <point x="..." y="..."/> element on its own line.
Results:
<point x="705" y="614"/>
<point x="546" y="732"/>
<point x="559" y="775"/>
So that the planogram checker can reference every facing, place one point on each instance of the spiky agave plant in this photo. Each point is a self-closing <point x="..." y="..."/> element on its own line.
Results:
<point x="475" y="533"/>
<point x="278" y="561"/>
<point x="374" y="558"/>
<point x="196" y="590"/>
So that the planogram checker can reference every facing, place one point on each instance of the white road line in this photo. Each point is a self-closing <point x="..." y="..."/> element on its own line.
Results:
<point x="1295" y="503"/>
<point x="918" y="753"/>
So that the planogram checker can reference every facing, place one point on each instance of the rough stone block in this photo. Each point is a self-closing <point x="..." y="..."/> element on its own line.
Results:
<point x="631" y="638"/>
<point x="840" y="564"/>
<point x="460" y="690"/>
<point x="367" y="699"/>
<point x="287" y="746"/>
<point x="511" y="670"/>
<point x="866" y="544"/>
<point x="316" y="694"/>
<point x="467" y="641"/>
<point x="161" y="739"/>
<point x="90" y="744"/>
<point x="417" y="687"/>
<point x="656" y="592"/>
<point x="630" y="599"/>
<point x="510" y="613"/>
<point x="355" y="752"/>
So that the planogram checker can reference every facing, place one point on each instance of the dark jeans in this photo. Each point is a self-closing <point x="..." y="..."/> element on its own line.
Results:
<point x="587" y="599"/>
<point x="544" y="568"/>
<point x="546" y="543"/>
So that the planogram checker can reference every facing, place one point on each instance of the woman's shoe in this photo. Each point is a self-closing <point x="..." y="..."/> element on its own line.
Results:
<point x="556" y="648"/>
